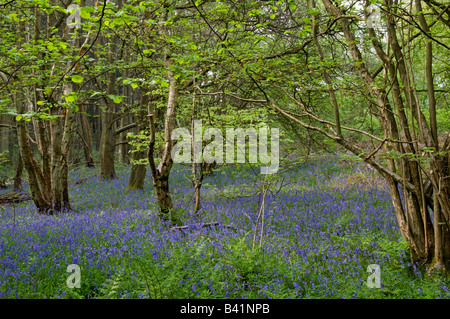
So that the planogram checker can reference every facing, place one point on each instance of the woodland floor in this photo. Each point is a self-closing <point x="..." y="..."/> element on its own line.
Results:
<point x="324" y="222"/>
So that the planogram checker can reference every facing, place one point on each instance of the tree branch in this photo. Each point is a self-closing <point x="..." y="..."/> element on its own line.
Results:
<point x="125" y="128"/>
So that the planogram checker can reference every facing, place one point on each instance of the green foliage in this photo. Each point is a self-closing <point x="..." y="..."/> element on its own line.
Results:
<point x="6" y="169"/>
<point x="238" y="52"/>
<point x="3" y="158"/>
<point x="443" y="119"/>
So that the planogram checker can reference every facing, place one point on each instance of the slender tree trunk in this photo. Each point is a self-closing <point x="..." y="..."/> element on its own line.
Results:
<point x="98" y="130"/>
<point x="108" y="145"/>
<point x="327" y="78"/>
<point x="37" y="182"/>
<point x="197" y="180"/>
<point x="138" y="171"/>
<point x="86" y="136"/>
<point x="18" y="174"/>
<point x="29" y="162"/>
<point x="123" y="147"/>
<point x="205" y="168"/>
<point x="108" y="137"/>
<point x="163" y="195"/>
<point x="160" y="175"/>
<point x="4" y="137"/>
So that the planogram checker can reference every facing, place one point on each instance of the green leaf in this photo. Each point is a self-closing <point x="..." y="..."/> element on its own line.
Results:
<point x="116" y="98"/>
<point x="72" y="97"/>
<point x="148" y="51"/>
<point x="84" y="13"/>
<point x="96" y="93"/>
<point x="18" y="117"/>
<point x="77" y="78"/>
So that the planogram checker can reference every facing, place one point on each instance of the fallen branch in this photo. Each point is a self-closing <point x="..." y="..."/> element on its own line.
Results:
<point x="78" y="182"/>
<point x="14" y="198"/>
<point x="203" y="226"/>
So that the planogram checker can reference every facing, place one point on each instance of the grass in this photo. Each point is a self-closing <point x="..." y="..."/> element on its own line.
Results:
<point x="325" y="222"/>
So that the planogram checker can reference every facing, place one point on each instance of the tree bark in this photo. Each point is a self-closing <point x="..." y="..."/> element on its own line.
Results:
<point x="108" y="137"/>
<point x="123" y="155"/>
<point x="4" y="138"/>
<point x="29" y="162"/>
<point x="139" y="170"/>
<point x="17" y="187"/>
<point x="86" y="136"/>
<point x="160" y="175"/>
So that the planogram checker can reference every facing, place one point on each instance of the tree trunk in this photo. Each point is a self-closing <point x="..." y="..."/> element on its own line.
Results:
<point x="108" y="138"/>
<point x="86" y="136"/>
<point x="108" y="145"/>
<point x="98" y="129"/>
<point x="138" y="170"/>
<point x="205" y="169"/>
<point x="123" y="155"/>
<point x="160" y="175"/>
<point x="108" y="119"/>
<point x="4" y="138"/>
<point x="124" y="148"/>
<point x="18" y="174"/>
<point x="37" y="183"/>
<point x="29" y="162"/>
<point x="163" y="195"/>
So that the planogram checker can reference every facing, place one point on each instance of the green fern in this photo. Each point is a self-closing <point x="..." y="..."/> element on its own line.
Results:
<point x="110" y="288"/>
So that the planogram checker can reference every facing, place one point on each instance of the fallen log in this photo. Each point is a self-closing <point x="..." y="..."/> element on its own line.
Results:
<point x="78" y="182"/>
<point x="203" y="226"/>
<point x="14" y="197"/>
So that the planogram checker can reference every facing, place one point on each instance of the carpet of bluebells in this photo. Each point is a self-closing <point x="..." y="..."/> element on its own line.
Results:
<point x="324" y="222"/>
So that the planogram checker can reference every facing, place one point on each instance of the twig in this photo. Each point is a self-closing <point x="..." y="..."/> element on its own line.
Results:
<point x="261" y="212"/>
